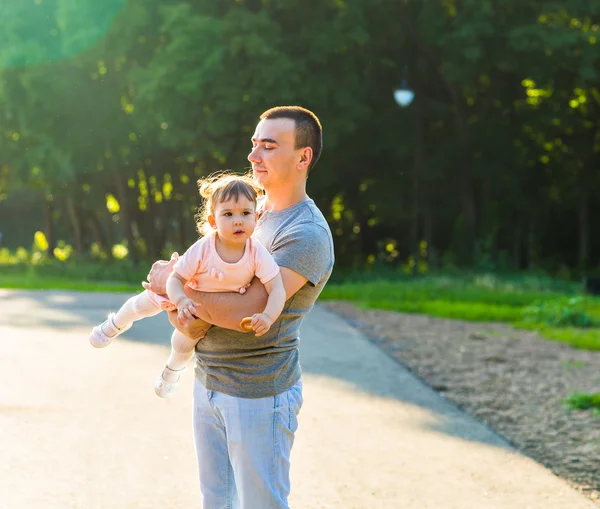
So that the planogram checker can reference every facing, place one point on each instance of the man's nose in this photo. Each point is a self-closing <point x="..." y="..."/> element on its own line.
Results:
<point x="253" y="156"/>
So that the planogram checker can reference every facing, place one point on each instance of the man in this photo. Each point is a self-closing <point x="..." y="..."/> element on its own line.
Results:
<point x="248" y="389"/>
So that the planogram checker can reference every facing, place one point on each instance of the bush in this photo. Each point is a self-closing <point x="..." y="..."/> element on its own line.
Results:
<point x="583" y="401"/>
<point x="559" y="313"/>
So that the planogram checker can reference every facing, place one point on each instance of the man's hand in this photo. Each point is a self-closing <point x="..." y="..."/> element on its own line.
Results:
<point x="157" y="277"/>
<point x="186" y="310"/>
<point x="261" y="323"/>
<point x="195" y="329"/>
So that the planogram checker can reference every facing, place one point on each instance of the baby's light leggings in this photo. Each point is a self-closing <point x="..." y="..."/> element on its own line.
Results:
<point x="141" y="306"/>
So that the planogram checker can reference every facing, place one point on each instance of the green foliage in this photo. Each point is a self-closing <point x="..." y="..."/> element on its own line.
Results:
<point x="443" y="296"/>
<point x="491" y="167"/>
<point x="42" y="31"/>
<point x="583" y="401"/>
<point x="564" y="312"/>
<point x="481" y="298"/>
<point x="584" y="339"/>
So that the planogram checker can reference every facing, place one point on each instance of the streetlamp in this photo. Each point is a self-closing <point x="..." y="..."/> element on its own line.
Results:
<point x="404" y="95"/>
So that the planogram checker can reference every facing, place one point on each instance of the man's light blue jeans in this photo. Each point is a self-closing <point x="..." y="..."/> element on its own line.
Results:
<point x="243" y="448"/>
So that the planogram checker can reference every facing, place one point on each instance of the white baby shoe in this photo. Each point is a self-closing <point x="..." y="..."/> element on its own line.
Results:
<point x="164" y="388"/>
<point x="104" y="333"/>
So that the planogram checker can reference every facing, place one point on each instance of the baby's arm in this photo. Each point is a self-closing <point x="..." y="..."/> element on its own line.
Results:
<point x="175" y="290"/>
<point x="261" y="322"/>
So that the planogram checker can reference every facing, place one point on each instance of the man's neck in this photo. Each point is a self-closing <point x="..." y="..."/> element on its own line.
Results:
<point x="284" y="199"/>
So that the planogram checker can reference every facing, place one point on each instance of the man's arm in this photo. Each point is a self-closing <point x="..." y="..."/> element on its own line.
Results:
<point x="223" y="309"/>
<point x="226" y="309"/>
<point x="196" y="329"/>
<point x="292" y="281"/>
<point x="158" y="275"/>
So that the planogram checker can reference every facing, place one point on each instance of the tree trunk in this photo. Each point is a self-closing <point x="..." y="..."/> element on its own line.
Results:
<point x="96" y="229"/>
<point x="162" y="226"/>
<point x="110" y="234"/>
<point x="465" y="178"/>
<point x="428" y="227"/>
<point x="531" y="247"/>
<point x="584" y="225"/>
<point x="155" y="237"/>
<point x="416" y="175"/>
<point x="516" y="251"/>
<point x="181" y="225"/>
<point x="49" y="224"/>
<point x="125" y="214"/>
<point x="364" y="243"/>
<point x="74" y="216"/>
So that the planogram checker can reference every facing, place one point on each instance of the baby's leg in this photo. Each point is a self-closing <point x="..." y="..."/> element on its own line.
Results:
<point x="138" y="307"/>
<point x="182" y="350"/>
<point x="134" y="309"/>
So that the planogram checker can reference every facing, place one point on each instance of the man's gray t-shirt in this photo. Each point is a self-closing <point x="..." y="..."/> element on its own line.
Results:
<point x="246" y="366"/>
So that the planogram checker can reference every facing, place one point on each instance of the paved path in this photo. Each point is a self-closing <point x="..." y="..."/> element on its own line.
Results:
<point x="82" y="428"/>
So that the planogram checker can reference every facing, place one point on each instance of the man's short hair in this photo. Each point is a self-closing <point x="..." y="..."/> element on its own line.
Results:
<point x="309" y="132"/>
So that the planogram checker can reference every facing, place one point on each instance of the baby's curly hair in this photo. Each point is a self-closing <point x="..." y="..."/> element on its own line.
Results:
<point x="221" y="187"/>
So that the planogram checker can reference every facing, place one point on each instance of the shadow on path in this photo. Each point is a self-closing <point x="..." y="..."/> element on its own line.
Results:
<point x="330" y="348"/>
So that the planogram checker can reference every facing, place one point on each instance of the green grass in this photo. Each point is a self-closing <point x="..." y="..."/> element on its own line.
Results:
<point x="57" y="283"/>
<point x="585" y="339"/>
<point x="583" y="401"/>
<point x="87" y="276"/>
<point x="541" y="304"/>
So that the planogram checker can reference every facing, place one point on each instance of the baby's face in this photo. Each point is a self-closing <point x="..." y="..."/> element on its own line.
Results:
<point x="235" y="220"/>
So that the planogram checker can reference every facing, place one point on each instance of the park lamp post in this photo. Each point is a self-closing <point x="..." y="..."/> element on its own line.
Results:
<point x="404" y="95"/>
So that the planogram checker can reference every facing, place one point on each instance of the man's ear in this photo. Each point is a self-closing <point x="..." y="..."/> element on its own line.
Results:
<point x="306" y="156"/>
<point x="212" y="222"/>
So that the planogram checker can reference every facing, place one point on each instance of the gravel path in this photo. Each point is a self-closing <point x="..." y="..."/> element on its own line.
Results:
<point x="512" y="380"/>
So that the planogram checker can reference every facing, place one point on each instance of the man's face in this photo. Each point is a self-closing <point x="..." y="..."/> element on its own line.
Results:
<point x="274" y="158"/>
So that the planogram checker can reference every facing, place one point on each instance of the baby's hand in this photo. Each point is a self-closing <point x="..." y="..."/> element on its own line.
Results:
<point x="261" y="323"/>
<point x="167" y="306"/>
<point x="186" y="310"/>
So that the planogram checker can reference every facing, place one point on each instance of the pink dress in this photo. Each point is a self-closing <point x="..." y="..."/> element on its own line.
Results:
<point x="206" y="271"/>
